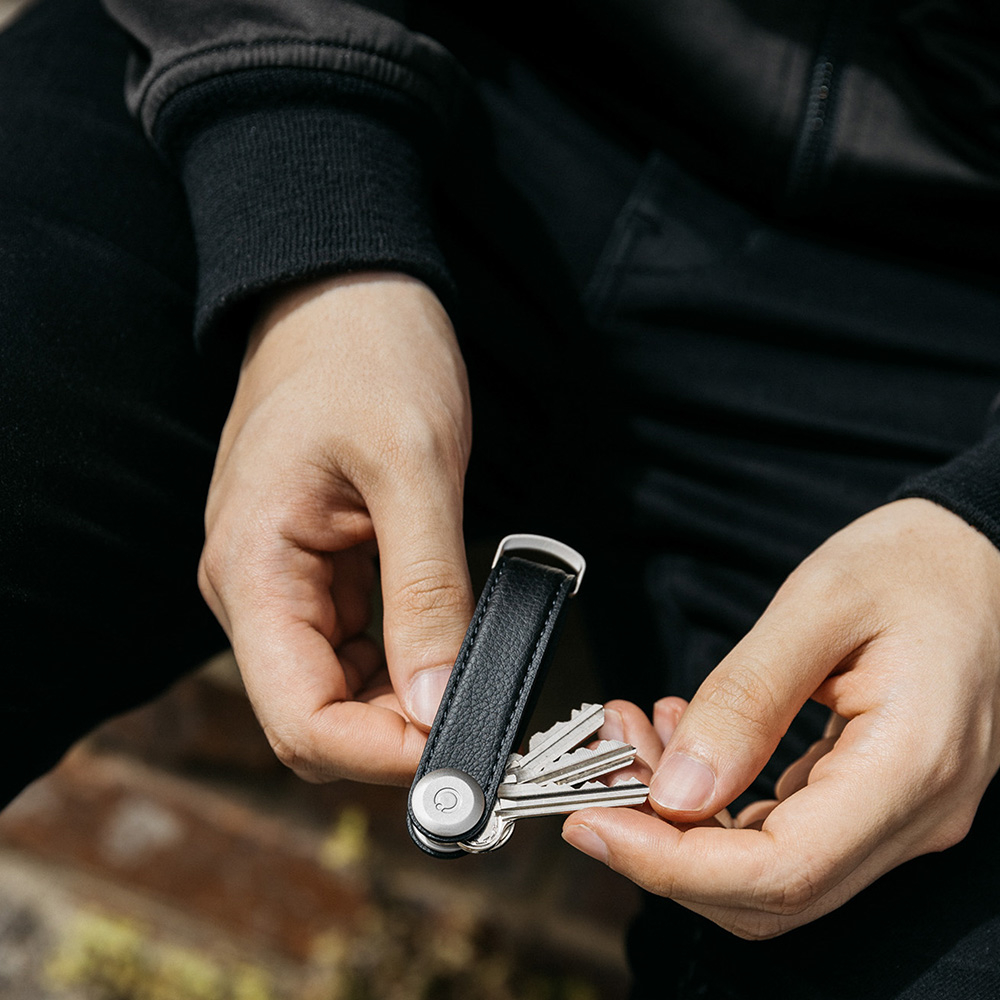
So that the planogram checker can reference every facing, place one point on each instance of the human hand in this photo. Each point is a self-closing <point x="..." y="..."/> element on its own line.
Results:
<point x="894" y="625"/>
<point x="350" y="428"/>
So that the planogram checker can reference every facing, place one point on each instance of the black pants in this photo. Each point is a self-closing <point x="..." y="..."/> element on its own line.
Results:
<point x="694" y="397"/>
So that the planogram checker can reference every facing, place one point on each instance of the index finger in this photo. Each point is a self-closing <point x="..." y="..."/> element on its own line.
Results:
<point x="298" y="688"/>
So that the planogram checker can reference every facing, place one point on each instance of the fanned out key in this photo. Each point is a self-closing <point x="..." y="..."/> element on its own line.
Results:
<point x="553" y="778"/>
<point x="547" y="746"/>
<point x="583" y="764"/>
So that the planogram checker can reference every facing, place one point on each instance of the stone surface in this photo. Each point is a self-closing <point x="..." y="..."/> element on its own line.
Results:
<point x="172" y="842"/>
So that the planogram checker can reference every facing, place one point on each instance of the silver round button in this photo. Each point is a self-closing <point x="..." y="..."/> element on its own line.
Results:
<point x="447" y="802"/>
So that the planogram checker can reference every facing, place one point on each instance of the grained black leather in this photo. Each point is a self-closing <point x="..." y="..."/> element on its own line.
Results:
<point x="502" y="659"/>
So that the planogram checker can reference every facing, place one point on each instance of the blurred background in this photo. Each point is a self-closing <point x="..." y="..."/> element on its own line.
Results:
<point x="170" y="856"/>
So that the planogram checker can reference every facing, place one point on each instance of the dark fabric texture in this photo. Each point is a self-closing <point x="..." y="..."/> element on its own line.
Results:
<point x="109" y="420"/>
<point x="969" y="484"/>
<point x="186" y="43"/>
<point x="293" y="181"/>
<point x="736" y="392"/>
<point x="691" y="394"/>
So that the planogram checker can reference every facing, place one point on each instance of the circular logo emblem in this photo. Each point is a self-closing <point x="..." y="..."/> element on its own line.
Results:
<point x="445" y="799"/>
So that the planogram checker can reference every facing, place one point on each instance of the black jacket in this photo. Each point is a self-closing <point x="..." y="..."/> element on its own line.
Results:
<point x="304" y="130"/>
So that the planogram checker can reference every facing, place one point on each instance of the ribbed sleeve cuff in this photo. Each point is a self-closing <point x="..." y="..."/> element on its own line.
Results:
<point x="968" y="485"/>
<point x="297" y="189"/>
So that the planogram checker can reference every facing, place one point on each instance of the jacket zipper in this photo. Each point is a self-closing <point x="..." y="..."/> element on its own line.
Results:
<point x="811" y="155"/>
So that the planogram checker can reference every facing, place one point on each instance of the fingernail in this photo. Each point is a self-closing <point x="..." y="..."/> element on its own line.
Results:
<point x="584" y="839"/>
<point x="682" y="783"/>
<point x="613" y="727"/>
<point x="425" y="693"/>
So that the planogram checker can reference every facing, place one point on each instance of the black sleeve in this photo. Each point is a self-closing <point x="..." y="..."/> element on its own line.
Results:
<point x="968" y="485"/>
<point x="302" y="131"/>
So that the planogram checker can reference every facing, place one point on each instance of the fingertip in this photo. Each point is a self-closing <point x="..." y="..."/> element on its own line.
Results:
<point x="586" y="840"/>
<point x="627" y="723"/>
<point x="752" y="816"/>
<point x="667" y="713"/>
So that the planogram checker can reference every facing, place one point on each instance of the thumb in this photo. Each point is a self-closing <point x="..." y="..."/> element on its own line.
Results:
<point x="426" y="594"/>
<point x="744" y="706"/>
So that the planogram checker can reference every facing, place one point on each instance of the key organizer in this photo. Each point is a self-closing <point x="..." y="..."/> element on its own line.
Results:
<point x="489" y="696"/>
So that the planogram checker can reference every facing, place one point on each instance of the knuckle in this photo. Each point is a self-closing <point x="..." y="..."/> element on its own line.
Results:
<point x="948" y="787"/>
<point x="952" y="832"/>
<point x="949" y="772"/>
<point x="431" y="587"/>
<point x="662" y="883"/>
<point x="205" y="579"/>
<point x="790" y="893"/>
<point x="211" y="571"/>
<point x="825" y="578"/>
<point x="743" y="693"/>
<point x="831" y="584"/>
<point x="295" y="754"/>
<point x="425" y="442"/>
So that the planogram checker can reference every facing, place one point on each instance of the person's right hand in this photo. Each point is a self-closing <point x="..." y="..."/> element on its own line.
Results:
<point x="350" y="428"/>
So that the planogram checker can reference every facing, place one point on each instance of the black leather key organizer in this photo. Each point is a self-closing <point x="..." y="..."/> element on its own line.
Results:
<point x="490" y="693"/>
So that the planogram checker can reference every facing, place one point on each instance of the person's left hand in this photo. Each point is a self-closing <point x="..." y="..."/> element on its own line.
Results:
<point x="893" y="624"/>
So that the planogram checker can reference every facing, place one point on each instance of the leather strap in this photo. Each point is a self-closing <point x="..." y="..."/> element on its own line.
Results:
<point x="492" y="686"/>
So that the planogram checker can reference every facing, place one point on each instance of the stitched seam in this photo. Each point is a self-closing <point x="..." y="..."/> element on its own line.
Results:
<point x="461" y="664"/>
<point x="291" y="41"/>
<point x="501" y="762"/>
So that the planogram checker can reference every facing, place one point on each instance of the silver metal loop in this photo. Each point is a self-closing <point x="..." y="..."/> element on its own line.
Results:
<point x="559" y="551"/>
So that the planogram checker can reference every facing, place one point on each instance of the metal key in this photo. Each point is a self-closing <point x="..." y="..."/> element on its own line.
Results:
<point x="541" y="783"/>
<point x="517" y="800"/>
<point x="532" y="799"/>
<point x="584" y="764"/>
<point x="545" y="747"/>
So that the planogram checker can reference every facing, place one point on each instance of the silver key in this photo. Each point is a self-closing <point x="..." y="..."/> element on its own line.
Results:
<point x="553" y="768"/>
<point x="545" y="747"/>
<point x="584" y="764"/>
<point x="517" y="800"/>
<point x="530" y="799"/>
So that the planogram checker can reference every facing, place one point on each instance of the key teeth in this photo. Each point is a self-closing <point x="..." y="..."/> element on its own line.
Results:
<point x="590" y="786"/>
<point x="537" y="739"/>
<point x="515" y="792"/>
<point x="596" y="786"/>
<point x="603" y="746"/>
<point x="578" y="753"/>
<point x="580" y="764"/>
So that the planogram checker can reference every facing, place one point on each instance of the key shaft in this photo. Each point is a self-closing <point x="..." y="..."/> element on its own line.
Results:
<point x="546" y="800"/>
<point x="587" y="763"/>
<point x="520" y="800"/>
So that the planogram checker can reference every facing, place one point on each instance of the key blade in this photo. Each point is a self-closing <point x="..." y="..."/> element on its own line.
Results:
<point x="545" y="747"/>
<point x="521" y="800"/>
<point x="587" y="763"/>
